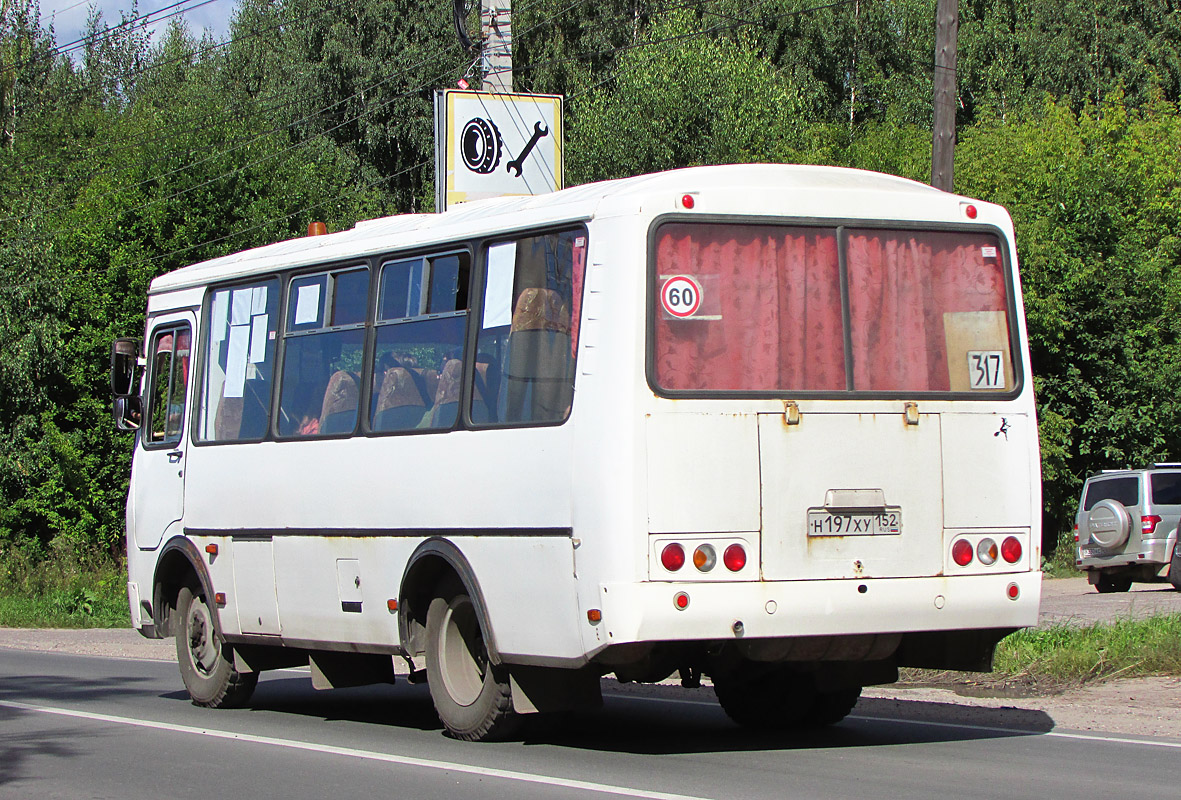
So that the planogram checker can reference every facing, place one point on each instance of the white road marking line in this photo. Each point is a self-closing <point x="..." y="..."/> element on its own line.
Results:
<point x="934" y="724"/>
<point x="368" y="755"/>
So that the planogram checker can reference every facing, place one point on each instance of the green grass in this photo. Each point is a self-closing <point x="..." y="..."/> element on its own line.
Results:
<point x="1038" y="661"/>
<point x="62" y="591"/>
<point x="1069" y="655"/>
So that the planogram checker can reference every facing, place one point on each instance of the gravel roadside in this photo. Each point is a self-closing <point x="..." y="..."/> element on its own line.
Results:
<point x="1138" y="707"/>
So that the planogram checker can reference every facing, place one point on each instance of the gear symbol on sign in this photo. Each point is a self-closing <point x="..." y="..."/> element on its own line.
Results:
<point x="481" y="145"/>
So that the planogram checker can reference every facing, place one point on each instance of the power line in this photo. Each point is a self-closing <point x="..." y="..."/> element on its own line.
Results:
<point x="158" y="133"/>
<point x="278" y="129"/>
<point x="126" y="25"/>
<point x="585" y="54"/>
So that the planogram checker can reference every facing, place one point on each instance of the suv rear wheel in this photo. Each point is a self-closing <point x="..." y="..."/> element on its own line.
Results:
<point x="1108" y="584"/>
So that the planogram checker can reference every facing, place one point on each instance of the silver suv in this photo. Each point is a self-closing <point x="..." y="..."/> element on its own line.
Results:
<point x="1126" y="527"/>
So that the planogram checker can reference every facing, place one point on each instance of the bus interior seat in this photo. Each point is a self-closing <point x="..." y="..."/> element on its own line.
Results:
<point x="339" y="412"/>
<point x="402" y="400"/>
<point x="484" y="392"/>
<point x="446" y="407"/>
<point x="537" y="377"/>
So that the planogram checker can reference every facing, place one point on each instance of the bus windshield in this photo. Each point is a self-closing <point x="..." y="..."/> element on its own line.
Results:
<point x="759" y="308"/>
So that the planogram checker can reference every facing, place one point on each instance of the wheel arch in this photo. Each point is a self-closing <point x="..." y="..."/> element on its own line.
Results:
<point x="179" y="558"/>
<point x="429" y="565"/>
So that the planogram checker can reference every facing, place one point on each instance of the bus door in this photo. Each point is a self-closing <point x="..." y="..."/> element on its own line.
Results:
<point x="157" y="484"/>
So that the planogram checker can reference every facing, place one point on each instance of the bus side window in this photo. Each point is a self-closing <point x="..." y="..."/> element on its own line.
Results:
<point x="324" y="342"/>
<point x="421" y="325"/>
<point x="529" y="333"/>
<point x="239" y="362"/>
<point x="169" y="385"/>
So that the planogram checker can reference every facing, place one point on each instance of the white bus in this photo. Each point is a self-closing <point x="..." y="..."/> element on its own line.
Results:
<point x="769" y="424"/>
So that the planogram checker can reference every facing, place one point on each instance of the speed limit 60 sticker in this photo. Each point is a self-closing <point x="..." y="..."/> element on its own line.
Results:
<point x="680" y="296"/>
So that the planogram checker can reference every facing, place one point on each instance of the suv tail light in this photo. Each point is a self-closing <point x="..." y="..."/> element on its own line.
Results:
<point x="1148" y="523"/>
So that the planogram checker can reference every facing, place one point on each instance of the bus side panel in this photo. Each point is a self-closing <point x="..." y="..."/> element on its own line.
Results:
<point x="530" y="592"/>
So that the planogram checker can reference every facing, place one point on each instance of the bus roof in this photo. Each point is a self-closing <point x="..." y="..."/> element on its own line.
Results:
<point x="828" y="190"/>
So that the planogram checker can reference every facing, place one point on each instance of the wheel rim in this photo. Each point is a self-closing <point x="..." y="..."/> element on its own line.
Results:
<point x="463" y="659"/>
<point x="203" y="649"/>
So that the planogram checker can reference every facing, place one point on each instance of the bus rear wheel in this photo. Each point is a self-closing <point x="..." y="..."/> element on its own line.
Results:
<point x="472" y="695"/>
<point x="208" y="675"/>
<point x="781" y="698"/>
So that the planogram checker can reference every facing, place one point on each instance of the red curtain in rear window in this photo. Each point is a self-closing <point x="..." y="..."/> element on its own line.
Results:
<point x="903" y="286"/>
<point x="770" y="315"/>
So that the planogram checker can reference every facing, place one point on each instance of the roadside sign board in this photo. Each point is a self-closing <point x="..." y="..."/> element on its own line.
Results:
<point x="491" y="145"/>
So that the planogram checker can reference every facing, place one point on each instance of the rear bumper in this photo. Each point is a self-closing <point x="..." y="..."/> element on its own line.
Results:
<point x="1150" y="551"/>
<point x="646" y="612"/>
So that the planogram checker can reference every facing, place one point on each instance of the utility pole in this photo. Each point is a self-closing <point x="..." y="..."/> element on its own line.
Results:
<point x="496" y="27"/>
<point x="943" y="141"/>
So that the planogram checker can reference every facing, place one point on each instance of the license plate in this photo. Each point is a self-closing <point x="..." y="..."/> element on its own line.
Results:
<point x="854" y="522"/>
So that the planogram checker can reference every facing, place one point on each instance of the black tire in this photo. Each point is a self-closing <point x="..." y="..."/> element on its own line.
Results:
<point x="208" y="674"/>
<point x="472" y="696"/>
<point x="1110" y="585"/>
<point x="781" y="698"/>
<point x="832" y="707"/>
<point x="1175" y="568"/>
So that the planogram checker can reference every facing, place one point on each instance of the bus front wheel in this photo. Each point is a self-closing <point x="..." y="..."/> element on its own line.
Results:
<point x="471" y="694"/>
<point x="209" y="676"/>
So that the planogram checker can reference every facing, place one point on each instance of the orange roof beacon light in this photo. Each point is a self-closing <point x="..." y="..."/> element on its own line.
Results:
<point x="317" y="229"/>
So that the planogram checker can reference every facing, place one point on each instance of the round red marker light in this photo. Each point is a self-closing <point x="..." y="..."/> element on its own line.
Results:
<point x="1013" y="591"/>
<point x="687" y="201"/>
<point x="681" y="601"/>
<point x="1011" y="549"/>
<point x="672" y="557"/>
<point x="961" y="552"/>
<point x="734" y="558"/>
<point x="970" y="211"/>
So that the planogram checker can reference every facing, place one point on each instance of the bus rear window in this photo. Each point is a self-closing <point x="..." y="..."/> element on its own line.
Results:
<point x="759" y="308"/>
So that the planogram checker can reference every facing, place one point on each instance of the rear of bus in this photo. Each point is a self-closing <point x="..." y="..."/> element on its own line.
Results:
<point x="841" y="447"/>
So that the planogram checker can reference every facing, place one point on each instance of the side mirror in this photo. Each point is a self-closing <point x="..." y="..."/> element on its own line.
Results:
<point x="124" y="354"/>
<point x="128" y="413"/>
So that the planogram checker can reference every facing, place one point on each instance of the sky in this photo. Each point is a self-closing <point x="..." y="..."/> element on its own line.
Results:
<point x="69" y="16"/>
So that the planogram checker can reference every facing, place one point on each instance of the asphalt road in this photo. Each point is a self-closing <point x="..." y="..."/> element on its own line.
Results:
<point x="92" y="727"/>
<point x="1072" y="601"/>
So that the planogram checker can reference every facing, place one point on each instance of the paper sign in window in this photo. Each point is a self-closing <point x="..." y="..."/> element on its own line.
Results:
<point x="236" y="361"/>
<point x="498" y="296"/>
<point x="307" y="304"/>
<point x="240" y="308"/>
<point x="258" y="339"/>
<point x="258" y="300"/>
<point x="218" y="316"/>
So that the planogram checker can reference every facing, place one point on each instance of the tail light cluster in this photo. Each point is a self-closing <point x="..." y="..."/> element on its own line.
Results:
<point x="986" y="551"/>
<point x="703" y="559"/>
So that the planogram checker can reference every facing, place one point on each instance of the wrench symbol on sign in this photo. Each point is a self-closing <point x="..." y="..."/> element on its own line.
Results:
<point x="515" y="165"/>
